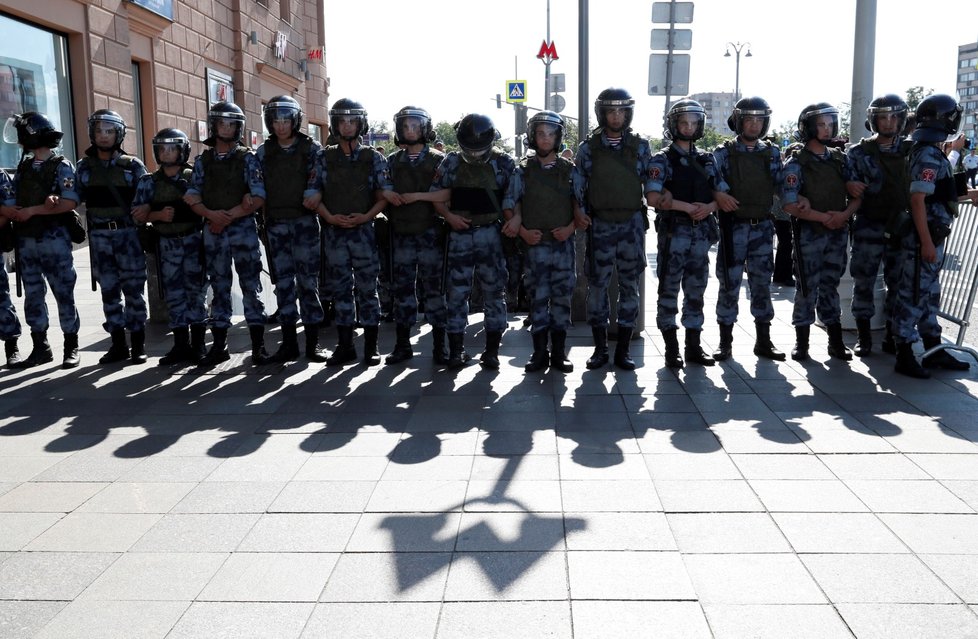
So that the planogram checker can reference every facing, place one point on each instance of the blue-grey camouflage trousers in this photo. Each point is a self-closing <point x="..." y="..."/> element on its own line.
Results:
<point x="752" y="245"/>
<point x="182" y="276"/>
<point x="237" y="244"/>
<point x="869" y="249"/>
<point x="823" y="261"/>
<point x="912" y="319"/>
<point x="353" y="268"/>
<point x="120" y="268"/>
<point x="476" y="252"/>
<point x="419" y="255"/>
<point x="550" y="278"/>
<point x="295" y="253"/>
<point x="685" y="265"/>
<point x="621" y="245"/>
<point x="9" y="322"/>
<point x="48" y="258"/>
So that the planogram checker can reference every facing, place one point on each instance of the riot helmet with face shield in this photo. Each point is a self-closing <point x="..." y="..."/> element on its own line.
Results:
<point x="226" y="113"/>
<point x="412" y="125"/>
<point x="281" y="108"/>
<point x="171" y="139"/>
<point x="347" y="110"/>
<point x="685" y="121"/>
<point x="614" y="99"/>
<point x="886" y="106"/>
<point x="938" y="118"/>
<point x="808" y="121"/>
<point x="31" y="130"/>
<point x="549" y="121"/>
<point x="102" y="123"/>
<point x="745" y="109"/>
<point x="476" y="134"/>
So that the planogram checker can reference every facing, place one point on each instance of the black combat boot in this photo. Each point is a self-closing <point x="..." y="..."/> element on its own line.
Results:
<point x="345" y="351"/>
<point x="119" y="350"/>
<point x="259" y="356"/>
<point x="198" y="350"/>
<point x="800" y="352"/>
<point x="439" y="352"/>
<point x="558" y="352"/>
<point x="941" y="358"/>
<point x="457" y="357"/>
<point x="288" y="350"/>
<point x="907" y="364"/>
<point x="673" y="360"/>
<point x="313" y="352"/>
<point x="694" y="350"/>
<point x="599" y="358"/>
<point x="540" y="357"/>
<point x="837" y="347"/>
<point x="12" y="352"/>
<point x="71" y="359"/>
<point x="219" y="349"/>
<point x="490" y="357"/>
<point x="888" y="345"/>
<point x="402" y="346"/>
<point x="371" y="357"/>
<point x="725" y="349"/>
<point x="180" y="352"/>
<point x="40" y="354"/>
<point x="763" y="346"/>
<point x="137" y="354"/>
<point x="864" y="339"/>
<point x="623" y="359"/>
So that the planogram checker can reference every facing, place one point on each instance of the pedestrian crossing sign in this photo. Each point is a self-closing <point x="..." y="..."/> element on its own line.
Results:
<point x="515" y="91"/>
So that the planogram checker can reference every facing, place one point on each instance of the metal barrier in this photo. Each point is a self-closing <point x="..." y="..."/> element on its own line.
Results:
<point x="959" y="277"/>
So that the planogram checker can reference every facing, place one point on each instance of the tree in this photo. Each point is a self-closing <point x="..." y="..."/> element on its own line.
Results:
<point x="915" y="95"/>
<point x="785" y="130"/>
<point x="712" y="139"/>
<point x="446" y="133"/>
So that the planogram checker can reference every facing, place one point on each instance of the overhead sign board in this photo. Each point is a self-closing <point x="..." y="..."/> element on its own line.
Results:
<point x="682" y="39"/>
<point x="658" y="65"/>
<point x="515" y="91"/>
<point x="683" y="14"/>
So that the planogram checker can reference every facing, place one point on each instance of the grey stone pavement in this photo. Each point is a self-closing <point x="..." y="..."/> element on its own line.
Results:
<point x="752" y="499"/>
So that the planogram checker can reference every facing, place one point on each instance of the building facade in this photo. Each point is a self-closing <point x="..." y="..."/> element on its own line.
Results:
<point x="718" y="106"/>
<point x="159" y="63"/>
<point x="968" y="88"/>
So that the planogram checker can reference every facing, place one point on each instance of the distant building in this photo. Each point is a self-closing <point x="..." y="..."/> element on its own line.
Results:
<point x="159" y="63"/>
<point x="718" y="107"/>
<point x="968" y="88"/>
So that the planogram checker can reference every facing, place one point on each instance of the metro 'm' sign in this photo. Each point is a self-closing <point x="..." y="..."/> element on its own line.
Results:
<point x="548" y="52"/>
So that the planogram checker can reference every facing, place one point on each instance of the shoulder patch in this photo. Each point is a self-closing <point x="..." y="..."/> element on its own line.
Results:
<point x="928" y="175"/>
<point x="791" y="180"/>
<point x="655" y="173"/>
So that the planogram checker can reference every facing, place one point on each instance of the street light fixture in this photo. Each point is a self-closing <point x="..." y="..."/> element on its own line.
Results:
<point x="738" y="47"/>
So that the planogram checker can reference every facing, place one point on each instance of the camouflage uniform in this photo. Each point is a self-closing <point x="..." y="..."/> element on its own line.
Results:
<point x="9" y="322"/>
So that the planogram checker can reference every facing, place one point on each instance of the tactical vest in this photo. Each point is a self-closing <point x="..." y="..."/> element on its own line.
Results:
<point x="894" y="195"/>
<point x="286" y="177"/>
<point x="478" y="179"/>
<point x="687" y="183"/>
<point x="348" y="181"/>
<point x="614" y="187"/>
<point x="33" y="187"/>
<point x="107" y="194"/>
<point x="224" y="180"/>
<point x="945" y="193"/>
<point x="750" y="181"/>
<point x="823" y="184"/>
<point x="548" y="199"/>
<point x="170" y="192"/>
<point x="417" y="217"/>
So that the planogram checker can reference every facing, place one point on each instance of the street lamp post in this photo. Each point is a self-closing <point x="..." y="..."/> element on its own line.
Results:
<point x="737" y="47"/>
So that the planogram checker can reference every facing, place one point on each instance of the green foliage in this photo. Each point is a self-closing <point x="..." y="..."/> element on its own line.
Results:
<point x="784" y="130"/>
<point x="712" y="139"/>
<point x="915" y="95"/>
<point x="445" y="133"/>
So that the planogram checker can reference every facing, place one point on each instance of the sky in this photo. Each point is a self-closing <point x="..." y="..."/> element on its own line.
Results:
<point x="452" y="57"/>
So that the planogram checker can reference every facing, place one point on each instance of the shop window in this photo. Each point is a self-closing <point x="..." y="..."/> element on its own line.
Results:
<point x="316" y="132"/>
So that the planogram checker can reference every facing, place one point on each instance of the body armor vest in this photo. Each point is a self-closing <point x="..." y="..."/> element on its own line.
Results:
<point x="614" y="187"/>
<point x="894" y="196"/>
<point x="33" y="187"/>
<point x="417" y="217"/>
<point x="107" y="194"/>
<point x="548" y="199"/>
<point x="286" y="176"/>
<point x="687" y="183"/>
<point x="348" y="181"/>
<point x="823" y="184"/>
<point x="224" y="180"/>
<point x="169" y="192"/>
<point x="475" y="194"/>
<point x="750" y="181"/>
<point x="945" y="193"/>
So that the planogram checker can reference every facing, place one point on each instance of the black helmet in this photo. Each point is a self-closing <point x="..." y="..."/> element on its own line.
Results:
<point x="884" y="105"/>
<point x="427" y="132"/>
<point x="112" y="118"/>
<point x="938" y="116"/>
<point x="347" y="107"/>
<point x="753" y="107"/>
<point x="613" y="98"/>
<point x="283" y="107"/>
<point x="32" y="131"/>
<point x="168" y="137"/>
<point x="680" y="108"/>
<point x="476" y="134"/>
<point x="807" y="129"/>
<point x="548" y="118"/>
<point x="224" y="111"/>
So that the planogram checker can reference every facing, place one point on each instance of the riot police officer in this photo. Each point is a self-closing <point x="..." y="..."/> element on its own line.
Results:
<point x="9" y="322"/>
<point x="474" y="180"/>
<point x="179" y="241"/>
<point x="749" y="172"/>
<point x="107" y="178"/>
<point x="610" y="178"/>
<point x="541" y="199"/>
<point x="290" y="163"/>
<point x="880" y="162"/>
<point x="226" y="188"/>
<point x="40" y="203"/>
<point x="822" y="175"/>
<point x="686" y="229"/>
<point x="353" y="177"/>
<point x="417" y="244"/>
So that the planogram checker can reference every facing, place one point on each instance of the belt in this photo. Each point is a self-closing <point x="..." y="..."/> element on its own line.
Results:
<point x="120" y="225"/>
<point x="179" y="234"/>
<point x="679" y="217"/>
<point x="482" y="219"/>
<point x="753" y="221"/>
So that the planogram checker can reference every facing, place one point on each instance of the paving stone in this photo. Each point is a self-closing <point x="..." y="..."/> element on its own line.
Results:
<point x="707" y="496"/>
<point x="233" y="620"/>
<point x="135" y="498"/>
<point x="936" y="534"/>
<point x="781" y="466"/>
<point x="907" y="497"/>
<point x="300" y="532"/>
<point x="49" y="497"/>
<point x="875" y="467"/>
<point x="405" y="532"/>
<point x="529" y="467"/>
<point x="959" y="572"/>
<point x="402" y="620"/>
<point x="324" y="497"/>
<point x="629" y="575"/>
<point x="949" y="466"/>
<point x="505" y="619"/>
<point x="114" y="619"/>
<point x="838" y="533"/>
<point x="417" y="496"/>
<point x="171" y="469"/>
<point x="727" y="533"/>
<point x="24" y="619"/>
<point x="94" y="532"/>
<point x="583" y="466"/>
<point x="495" y="532"/>
<point x="607" y="495"/>
<point x="26" y="467"/>
<point x="760" y="621"/>
<point x="196" y="533"/>
<point x="517" y="496"/>
<point x="281" y="577"/>
<point x="807" y="496"/>
<point x="170" y="576"/>
<point x="20" y="528"/>
<point x="402" y="576"/>
<point x="618" y="531"/>
<point x="752" y="579"/>
<point x="853" y="578"/>
<point x="229" y="497"/>
<point x="615" y="619"/>
<point x="51" y="576"/>
<point x="692" y="466"/>
<point x="909" y="621"/>
<point x="489" y="576"/>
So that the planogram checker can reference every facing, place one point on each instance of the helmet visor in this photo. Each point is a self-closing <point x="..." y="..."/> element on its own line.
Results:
<point x="10" y="130"/>
<point x="476" y="156"/>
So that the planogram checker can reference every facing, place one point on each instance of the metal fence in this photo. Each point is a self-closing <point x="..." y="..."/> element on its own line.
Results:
<point x="959" y="276"/>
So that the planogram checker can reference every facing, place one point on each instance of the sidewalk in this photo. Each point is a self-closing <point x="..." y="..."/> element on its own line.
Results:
<point x="752" y="499"/>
